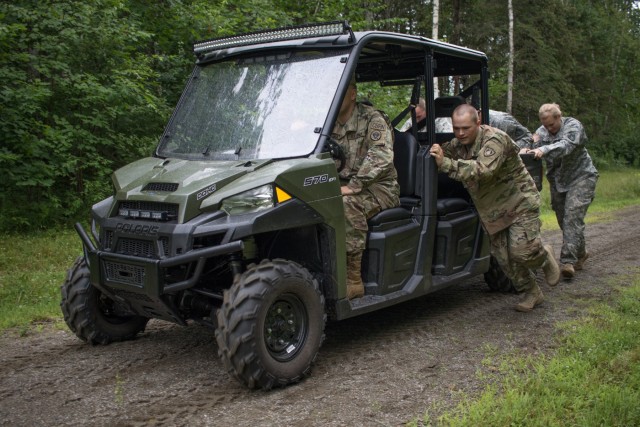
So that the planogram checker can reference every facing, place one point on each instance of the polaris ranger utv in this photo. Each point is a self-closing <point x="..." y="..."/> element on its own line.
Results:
<point x="237" y="221"/>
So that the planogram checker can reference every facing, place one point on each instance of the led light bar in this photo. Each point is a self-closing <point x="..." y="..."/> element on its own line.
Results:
<point x="334" y="28"/>
<point x="136" y="213"/>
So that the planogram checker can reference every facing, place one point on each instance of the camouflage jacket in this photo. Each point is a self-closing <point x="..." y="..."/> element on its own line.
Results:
<point x="509" y="125"/>
<point x="493" y="173"/>
<point x="443" y="125"/>
<point x="367" y="141"/>
<point x="565" y="154"/>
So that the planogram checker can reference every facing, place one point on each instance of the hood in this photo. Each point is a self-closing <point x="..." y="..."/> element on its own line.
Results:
<point x="182" y="182"/>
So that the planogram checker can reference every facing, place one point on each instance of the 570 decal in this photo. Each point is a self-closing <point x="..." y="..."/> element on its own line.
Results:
<point x="318" y="179"/>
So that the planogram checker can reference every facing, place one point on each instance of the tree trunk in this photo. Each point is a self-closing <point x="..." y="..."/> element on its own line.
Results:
<point x="511" y="54"/>
<point x="455" y="39"/>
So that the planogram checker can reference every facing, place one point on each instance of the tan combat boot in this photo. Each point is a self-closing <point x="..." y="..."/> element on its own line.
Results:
<point x="550" y="267"/>
<point x="355" y="287"/>
<point x="567" y="271"/>
<point x="531" y="298"/>
<point x="580" y="263"/>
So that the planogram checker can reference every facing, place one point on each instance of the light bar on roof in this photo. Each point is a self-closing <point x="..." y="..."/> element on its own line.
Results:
<point x="335" y="28"/>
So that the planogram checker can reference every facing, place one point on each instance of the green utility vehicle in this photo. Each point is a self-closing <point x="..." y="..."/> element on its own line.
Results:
<point x="237" y="221"/>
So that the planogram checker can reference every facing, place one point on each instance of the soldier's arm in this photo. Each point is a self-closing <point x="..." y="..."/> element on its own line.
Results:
<point x="523" y="137"/>
<point x="448" y="150"/>
<point x="526" y="141"/>
<point x="490" y="158"/>
<point x="517" y="131"/>
<point x="538" y="137"/>
<point x="379" y="158"/>
<point x="571" y="138"/>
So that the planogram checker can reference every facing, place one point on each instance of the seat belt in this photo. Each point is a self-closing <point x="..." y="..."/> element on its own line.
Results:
<point x="415" y="98"/>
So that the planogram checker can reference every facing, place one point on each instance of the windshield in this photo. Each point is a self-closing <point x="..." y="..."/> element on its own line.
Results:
<point x="257" y="107"/>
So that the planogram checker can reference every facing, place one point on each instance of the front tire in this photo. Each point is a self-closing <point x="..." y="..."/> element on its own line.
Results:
<point x="271" y="325"/>
<point x="90" y="314"/>
<point x="496" y="279"/>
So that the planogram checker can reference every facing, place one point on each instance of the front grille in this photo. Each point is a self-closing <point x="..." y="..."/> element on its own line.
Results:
<point x="135" y="247"/>
<point x="164" y="241"/>
<point x="161" y="186"/>
<point x="124" y="273"/>
<point x="141" y="248"/>
<point x="108" y="239"/>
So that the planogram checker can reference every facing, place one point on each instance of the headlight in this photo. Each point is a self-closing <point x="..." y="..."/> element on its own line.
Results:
<point x="254" y="200"/>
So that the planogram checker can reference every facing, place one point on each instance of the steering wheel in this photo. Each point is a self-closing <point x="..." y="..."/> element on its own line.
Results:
<point x="332" y="147"/>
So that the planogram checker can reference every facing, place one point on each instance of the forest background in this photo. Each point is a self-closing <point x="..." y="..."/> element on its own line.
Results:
<point x="87" y="86"/>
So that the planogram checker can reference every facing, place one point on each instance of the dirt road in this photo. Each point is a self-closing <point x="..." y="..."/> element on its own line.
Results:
<point x="384" y="368"/>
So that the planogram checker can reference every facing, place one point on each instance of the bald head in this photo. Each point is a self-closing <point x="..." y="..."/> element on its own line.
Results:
<point x="466" y="123"/>
<point x="464" y="109"/>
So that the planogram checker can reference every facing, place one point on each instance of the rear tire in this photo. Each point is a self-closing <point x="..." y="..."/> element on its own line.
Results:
<point x="496" y="279"/>
<point x="271" y="325"/>
<point x="91" y="315"/>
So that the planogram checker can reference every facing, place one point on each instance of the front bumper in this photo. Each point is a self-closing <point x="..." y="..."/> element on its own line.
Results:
<point x="139" y="283"/>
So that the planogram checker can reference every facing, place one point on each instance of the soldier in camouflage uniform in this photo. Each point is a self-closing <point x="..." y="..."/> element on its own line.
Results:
<point x="486" y="161"/>
<point x="421" y="114"/>
<point x="443" y="124"/>
<point x="521" y="136"/>
<point x="369" y="182"/>
<point x="572" y="180"/>
<point x="509" y="125"/>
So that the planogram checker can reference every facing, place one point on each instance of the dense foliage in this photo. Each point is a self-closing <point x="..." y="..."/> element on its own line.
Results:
<point x="87" y="85"/>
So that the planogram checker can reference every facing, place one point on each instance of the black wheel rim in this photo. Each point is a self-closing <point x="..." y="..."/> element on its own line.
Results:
<point x="286" y="327"/>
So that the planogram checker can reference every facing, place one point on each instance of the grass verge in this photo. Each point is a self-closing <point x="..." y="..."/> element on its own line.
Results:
<point x="32" y="268"/>
<point x="592" y="380"/>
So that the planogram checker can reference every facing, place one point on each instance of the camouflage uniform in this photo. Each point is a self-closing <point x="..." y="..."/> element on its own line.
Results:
<point x="509" y="125"/>
<point x="367" y="141"/>
<point x="443" y="125"/>
<point x="572" y="182"/>
<point x="506" y="198"/>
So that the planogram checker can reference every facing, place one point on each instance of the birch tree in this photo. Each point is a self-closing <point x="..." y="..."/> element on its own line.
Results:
<point x="510" y="64"/>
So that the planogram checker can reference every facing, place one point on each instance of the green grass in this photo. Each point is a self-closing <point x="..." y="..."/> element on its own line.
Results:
<point x="32" y="268"/>
<point x="593" y="380"/>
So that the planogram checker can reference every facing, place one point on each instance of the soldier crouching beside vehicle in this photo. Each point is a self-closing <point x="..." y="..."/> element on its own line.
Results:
<point x="487" y="162"/>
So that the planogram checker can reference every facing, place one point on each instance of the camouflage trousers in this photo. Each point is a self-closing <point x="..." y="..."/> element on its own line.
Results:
<point x="571" y="208"/>
<point x="518" y="249"/>
<point x="358" y="208"/>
